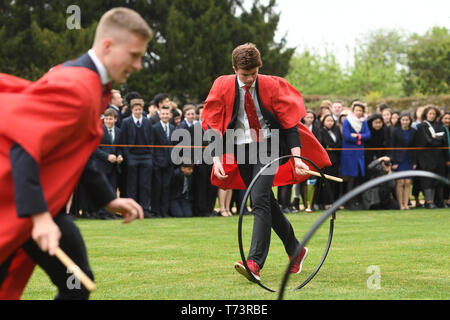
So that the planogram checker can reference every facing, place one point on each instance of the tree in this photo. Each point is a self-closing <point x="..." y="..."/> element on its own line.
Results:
<point x="428" y="63"/>
<point x="192" y="41"/>
<point x="312" y="73"/>
<point x="378" y="59"/>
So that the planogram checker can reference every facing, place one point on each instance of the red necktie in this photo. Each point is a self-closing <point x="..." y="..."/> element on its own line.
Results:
<point x="252" y="117"/>
<point x="106" y="95"/>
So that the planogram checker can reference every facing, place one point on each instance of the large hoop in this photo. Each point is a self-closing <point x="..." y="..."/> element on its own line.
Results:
<point x="331" y="211"/>
<point x="241" y="215"/>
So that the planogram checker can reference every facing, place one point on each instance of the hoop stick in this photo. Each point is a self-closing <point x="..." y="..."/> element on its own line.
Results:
<point x="76" y="271"/>
<point x="333" y="178"/>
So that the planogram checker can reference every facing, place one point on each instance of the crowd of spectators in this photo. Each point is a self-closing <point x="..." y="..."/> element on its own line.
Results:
<point x="363" y="145"/>
<point x="135" y="154"/>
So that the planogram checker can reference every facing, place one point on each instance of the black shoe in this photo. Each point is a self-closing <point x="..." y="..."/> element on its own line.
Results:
<point x="95" y="215"/>
<point x="430" y="206"/>
<point x="148" y="214"/>
<point x="286" y="210"/>
<point x="112" y="216"/>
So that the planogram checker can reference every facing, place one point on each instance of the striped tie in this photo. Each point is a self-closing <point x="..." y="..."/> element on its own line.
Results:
<point x="252" y="117"/>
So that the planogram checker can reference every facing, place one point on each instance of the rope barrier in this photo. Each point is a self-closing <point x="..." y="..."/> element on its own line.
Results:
<point x="328" y="149"/>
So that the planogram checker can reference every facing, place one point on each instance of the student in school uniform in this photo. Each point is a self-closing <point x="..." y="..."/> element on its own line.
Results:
<point x="163" y="165"/>
<point x="137" y="132"/>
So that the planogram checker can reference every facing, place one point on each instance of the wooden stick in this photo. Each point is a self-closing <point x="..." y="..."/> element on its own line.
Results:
<point x="333" y="178"/>
<point x="76" y="271"/>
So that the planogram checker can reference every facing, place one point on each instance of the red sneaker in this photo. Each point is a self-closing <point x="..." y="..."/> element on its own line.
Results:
<point x="252" y="265"/>
<point x="297" y="267"/>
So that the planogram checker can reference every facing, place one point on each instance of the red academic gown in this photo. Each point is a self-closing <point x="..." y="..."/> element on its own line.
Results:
<point x="57" y="121"/>
<point x="281" y="99"/>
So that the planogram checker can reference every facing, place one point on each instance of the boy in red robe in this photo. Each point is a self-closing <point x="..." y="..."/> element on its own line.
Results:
<point x="48" y="132"/>
<point x="264" y="113"/>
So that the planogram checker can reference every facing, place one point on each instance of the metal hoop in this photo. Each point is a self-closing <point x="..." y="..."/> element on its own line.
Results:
<point x="364" y="187"/>
<point x="241" y="215"/>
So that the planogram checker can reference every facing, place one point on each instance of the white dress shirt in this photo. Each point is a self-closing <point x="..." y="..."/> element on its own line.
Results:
<point x="136" y="120"/>
<point x="242" y="120"/>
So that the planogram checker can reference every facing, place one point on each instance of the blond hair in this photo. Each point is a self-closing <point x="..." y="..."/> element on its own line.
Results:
<point x="122" y="19"/>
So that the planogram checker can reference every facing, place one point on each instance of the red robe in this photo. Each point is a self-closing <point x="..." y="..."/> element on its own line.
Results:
<point x="285" y="103"/>
<point x="57" y="121"/>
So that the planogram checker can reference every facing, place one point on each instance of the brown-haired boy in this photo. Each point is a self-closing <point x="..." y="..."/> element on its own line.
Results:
<point x="258" y="104"/>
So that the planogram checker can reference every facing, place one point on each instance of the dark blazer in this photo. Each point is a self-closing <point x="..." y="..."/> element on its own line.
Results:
<point x="102" y="152"/>
<point x="162" y="155"/>
<point x="327" y="142"/>
<point x="430" y="159"/>
<point x="128" y="134"/>
<point x="398" y="141"/>
<point x="177" y="184"/>
<point x="184" y="125"/>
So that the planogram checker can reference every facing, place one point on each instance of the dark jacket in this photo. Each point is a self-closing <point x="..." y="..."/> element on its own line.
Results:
<point x="177" y="185"/>
<point x="162" y="156"/>
<point x="327" y="141"/>
<point x="398" y="141"/>
<point x="102" y="152"/>
<point x="431" y="159"/>
<point x="128" y="135"/>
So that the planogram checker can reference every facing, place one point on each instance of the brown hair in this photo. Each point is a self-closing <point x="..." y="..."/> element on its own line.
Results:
<point x="188" y="107"/>
<point x="246" y="56"/>
<point x="326" y="103"/>
<point x="122" y="19"/>
<point x="358" y="103"/>
<point x="110" y="113"/>
<point x="427" y="109"/>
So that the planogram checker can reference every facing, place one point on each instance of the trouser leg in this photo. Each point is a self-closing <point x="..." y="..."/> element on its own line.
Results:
<point x="72" y="244"/>
<point x="267" y="215"/>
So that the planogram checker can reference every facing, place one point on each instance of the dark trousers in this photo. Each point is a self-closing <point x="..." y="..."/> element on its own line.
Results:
<point x="139" y="179"/>
<point x="267" y="213"/>
<point x="72" y="244"/>
<point x="181" y="208"/>
<point x="204" y="192"/>
<point x="161" y="189"/>
<point x="113" y="178"/>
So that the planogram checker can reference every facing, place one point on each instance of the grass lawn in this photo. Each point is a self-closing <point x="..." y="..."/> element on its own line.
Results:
<point x="192" y="259"/>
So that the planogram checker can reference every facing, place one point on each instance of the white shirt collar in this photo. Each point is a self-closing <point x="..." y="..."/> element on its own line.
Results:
<point x="241" y="84"/>
<point x="136" y="119"/>
<point x="104" y="77"/>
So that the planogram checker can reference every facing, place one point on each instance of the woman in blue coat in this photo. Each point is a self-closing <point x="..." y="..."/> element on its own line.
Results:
<point x="355" y="132"/>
